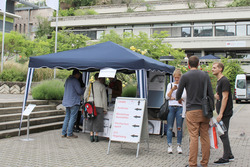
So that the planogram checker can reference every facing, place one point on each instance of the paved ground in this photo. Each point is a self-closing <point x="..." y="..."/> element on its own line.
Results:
<point x="49" y="149"/>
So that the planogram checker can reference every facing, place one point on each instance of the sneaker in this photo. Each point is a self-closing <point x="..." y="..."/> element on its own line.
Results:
<point x="179" y="150"/>
<point x="222" y="161"/>
<point x="170" y="150"/>
<point x="231" y="158"/>
<point x="72" y="137"/>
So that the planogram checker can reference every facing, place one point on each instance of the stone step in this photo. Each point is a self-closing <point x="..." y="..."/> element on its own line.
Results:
<point x="13" y="110"/>
<point x="20" y="103"/>
<point x="37" y="114"/>
<point x="34" y="121"/>
<point x="32" y="129"/>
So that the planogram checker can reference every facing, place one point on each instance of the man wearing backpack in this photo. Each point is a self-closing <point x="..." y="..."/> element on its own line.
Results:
<point x="71" y="100"/>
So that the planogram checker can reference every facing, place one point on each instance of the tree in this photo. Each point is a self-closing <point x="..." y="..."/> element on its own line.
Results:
<point x="67" y="41"/>
<point x="153" y="46"/>
<point x="16" y="44"/>
<point x="44" y="27"/>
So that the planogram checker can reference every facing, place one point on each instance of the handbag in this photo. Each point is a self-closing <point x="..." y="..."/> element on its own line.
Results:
<point x="89" y="107"/>
<point x="163" y="113"/>
<point x="207" y="103"/>
<point x="164" y="110"/>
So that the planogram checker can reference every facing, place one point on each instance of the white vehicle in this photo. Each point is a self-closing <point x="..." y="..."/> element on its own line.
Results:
<point x="242" y="87"/>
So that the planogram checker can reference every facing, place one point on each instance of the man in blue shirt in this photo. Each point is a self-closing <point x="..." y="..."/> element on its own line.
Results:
<point x="71" y="100"/>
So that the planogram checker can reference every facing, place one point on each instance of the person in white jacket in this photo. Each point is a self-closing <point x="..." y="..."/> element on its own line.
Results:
<point x="95" y="125"/>
<point x="176" y="111"/>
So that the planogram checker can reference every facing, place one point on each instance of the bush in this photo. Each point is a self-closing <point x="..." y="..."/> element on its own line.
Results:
<point x="49" y="90"/>
<point x="13" y="71"/>
<point x="43" y="74"/>
<point x="129" y="91"/>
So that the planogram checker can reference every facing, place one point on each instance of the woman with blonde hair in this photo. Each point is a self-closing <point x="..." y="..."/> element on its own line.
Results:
<point x="176" y="111"/>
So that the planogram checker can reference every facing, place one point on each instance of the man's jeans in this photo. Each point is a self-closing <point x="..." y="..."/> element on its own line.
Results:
<point x="174" y="112"/>
<point x="225" y="139"/>
<point x="69" y="120"/>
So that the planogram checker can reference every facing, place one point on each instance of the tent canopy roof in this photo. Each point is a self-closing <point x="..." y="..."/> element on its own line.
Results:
<point x="209" y="57"/>
<point x="99" y="56"/>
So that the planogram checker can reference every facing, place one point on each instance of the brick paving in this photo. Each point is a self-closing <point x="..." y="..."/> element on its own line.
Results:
<point x="49" y="149"/>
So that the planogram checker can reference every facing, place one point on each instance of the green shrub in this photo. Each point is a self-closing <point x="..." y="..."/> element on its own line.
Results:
<point x="79" y="12"/>
<point x="129" y="91"/>
<point x="49" y="90"/>
<point x="13" y="71"/>
<point x="90" y="12"/>
<point x="237" y="3"/>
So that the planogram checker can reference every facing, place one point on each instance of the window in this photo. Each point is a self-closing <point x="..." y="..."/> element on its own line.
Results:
<point x="242" y="28"/>
<point x="181" y="30"/>
<point x="241" y="83"/>
<point x="203" y="29"/>
<point x="225" y="29"/>
<point x="186" y="32"/>
<point x="128" y="30"/>
<point x="20" y="28"/>
<point x="162" y="27"/>
<point x="99" y="34"/>
<point x="91" y="34"/>
<point x="24" y="28"/>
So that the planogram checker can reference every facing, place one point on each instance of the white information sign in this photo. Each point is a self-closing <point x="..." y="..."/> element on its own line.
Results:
<point x="29" y="109"/>
<point x="236" y="44"/>
<point x="127" y="120"/>
<point x="156" y="81"/>
<point x="107" y="72"/>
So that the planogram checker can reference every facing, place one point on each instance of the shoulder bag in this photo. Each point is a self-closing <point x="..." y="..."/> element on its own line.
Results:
<point x="207" y="104"/>
<point x="89" y="107"/>
<point x="163" y="113"/>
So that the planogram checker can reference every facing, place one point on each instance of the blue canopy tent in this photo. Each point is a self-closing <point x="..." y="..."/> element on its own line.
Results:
<point x="210" y="57"/>
<point x="96" y="57"/>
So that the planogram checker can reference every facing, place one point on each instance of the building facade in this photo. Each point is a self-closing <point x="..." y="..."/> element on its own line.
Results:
<point x="10" y="16"/>
<point x="221" y="31"/>
<point x="28" y="22"/>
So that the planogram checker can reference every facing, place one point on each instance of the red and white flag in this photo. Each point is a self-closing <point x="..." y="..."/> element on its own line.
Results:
<point x="3" y="5"/>
<point x="54" y="4"/>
